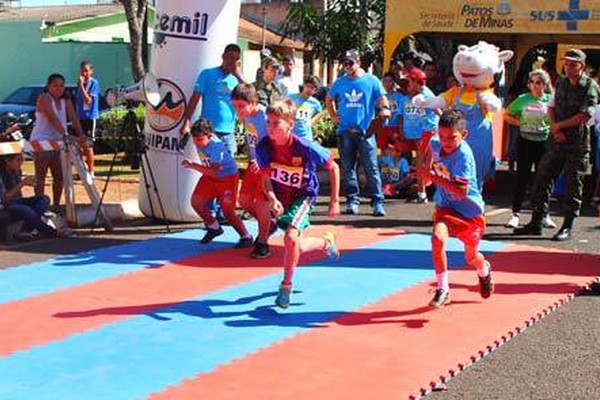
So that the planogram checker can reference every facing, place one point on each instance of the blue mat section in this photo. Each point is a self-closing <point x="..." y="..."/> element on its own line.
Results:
<point x="145" y="353"/>
<point x="65" y="271"/>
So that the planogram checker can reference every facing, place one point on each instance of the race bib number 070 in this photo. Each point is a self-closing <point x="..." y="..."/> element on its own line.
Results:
<point x="286" y="175"/>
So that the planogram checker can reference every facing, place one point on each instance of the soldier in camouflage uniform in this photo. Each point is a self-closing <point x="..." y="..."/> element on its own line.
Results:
<point x="572" y="107"/>
<point x="266" y="89"/>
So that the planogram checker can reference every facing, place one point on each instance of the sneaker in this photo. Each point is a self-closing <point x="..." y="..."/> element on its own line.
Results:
<point x="532" y="229"/>
<point x="547" y="222"/>
<point x="245" y="215"/>
<point x="283" y="297"/>
<point x="351" y="209"/>
<point x="378" y="210"/>
<point x="513" y="222"/>
<point x="244" y="243"/>
<point x="332" y="251"/>
<point x="440" y="299"/>
<point x="261" y="250"/>
<point x="486" y="286"/>
<point x="421" y="198"/>
<point x="211" y="234"/>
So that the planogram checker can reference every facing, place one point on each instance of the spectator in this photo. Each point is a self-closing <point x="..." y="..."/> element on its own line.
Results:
<point x="417" y="124"/>
<point x="28" y="209"/>
<point x="266" y="88"/>
<point x="53" y="109"/>
<point x="434" y="79"/>
<point x="395" y="171"/>
<point x="215" y="85"/>
<point x="285" y="81"/>
<point x="308" y="109"/>
<point x="572" y="107"/>
<point x="352" y="102"/>
<point x="390" y="128"/>
<point x="86" y="102"/>
<point x="529" y="112"/>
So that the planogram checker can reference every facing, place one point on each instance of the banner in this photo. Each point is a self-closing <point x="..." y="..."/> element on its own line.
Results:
<point x="490" y="16"/>
<point x="189" y="36"/>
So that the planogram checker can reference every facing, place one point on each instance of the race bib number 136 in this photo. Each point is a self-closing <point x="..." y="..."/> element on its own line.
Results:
<point x="286" y="175"/>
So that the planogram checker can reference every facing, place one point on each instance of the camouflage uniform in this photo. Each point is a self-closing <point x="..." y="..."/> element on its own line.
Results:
<point x="267" y="93"/>
<point x="573" y="155"/>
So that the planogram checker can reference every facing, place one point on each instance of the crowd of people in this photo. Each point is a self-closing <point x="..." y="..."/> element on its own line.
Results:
<point x="405" y="150"/>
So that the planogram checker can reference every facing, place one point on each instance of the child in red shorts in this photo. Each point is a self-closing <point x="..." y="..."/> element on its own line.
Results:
<point x="219" y="180"/>
<point x="459" y="205"/>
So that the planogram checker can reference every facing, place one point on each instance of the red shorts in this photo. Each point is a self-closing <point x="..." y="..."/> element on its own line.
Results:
<point x="224" y="189"/>
<point x="467" y="230"/>
<point x="252" y="185"/>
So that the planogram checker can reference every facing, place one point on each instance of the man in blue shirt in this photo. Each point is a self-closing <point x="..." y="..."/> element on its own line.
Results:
<point x="215" y="85"/>
<point x="351" y="102"/>
<point x="86" y="101"/>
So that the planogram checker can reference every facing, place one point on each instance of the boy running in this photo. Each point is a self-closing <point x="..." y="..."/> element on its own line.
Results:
<point x="245" y="101"/>
<point x="289" y="166"/>
<point x="219" y="180"/>
<point x="459" y="205"/>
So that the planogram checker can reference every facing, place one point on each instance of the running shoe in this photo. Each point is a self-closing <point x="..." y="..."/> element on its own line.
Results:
<point x="351" y="209"/>
<point x="261" y="250"/>
<point x="332" y="251"/>
<point x="211" y="234"/>
<point x="440" y="299"/>
<point x="513" y="222"/>
<point x="378" y="210"/>
<point x="283" y="297"/>
<point x="244" y="242"/>
<point x="547" y="222"/>
<point x="486" y="286"/>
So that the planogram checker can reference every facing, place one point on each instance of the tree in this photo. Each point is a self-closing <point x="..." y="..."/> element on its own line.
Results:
<point x="135" y="12"/>
<point x="342" y="25"/>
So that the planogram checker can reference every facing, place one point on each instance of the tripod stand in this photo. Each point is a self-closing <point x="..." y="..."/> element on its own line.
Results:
<point x="131" y="129"/>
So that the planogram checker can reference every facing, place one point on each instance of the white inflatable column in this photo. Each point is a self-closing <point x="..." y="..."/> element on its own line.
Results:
<point x="189" y="36"/>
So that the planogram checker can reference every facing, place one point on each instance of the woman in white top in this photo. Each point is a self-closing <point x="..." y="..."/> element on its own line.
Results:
<point x="53" y="109"/>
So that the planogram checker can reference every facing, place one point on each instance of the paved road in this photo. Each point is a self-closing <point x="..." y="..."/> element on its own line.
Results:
<point x="559" y="358"/>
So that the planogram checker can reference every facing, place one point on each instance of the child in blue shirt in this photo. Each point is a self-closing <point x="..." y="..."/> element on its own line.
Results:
<point x="308" y="109"/>
<point x="459" y="207"/>
<point x="395" y="171"/>
<point x="219" y="180"/>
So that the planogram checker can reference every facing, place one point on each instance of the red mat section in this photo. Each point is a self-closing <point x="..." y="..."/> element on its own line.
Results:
<point x="38" y="320"/>
<point x="393" y="349"/>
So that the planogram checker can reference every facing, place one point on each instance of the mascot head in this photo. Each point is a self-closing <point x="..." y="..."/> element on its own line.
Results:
<point x="477" y="65"/>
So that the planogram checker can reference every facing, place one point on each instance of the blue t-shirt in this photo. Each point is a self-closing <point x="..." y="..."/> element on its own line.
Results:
<point x="417" y="120"/>
<point x="397" y="102"/>
<point x="292" y="168"/>
<point x="306" y="110"/>
<point x="393" y="169"/>
<point x="458" y="166"/>
<point x="256" y="130"/>
<point x="216" y="153"/>
<point x="88" y="111"/>
<point x="356" y="100"/>
<point x="215" y="86"/>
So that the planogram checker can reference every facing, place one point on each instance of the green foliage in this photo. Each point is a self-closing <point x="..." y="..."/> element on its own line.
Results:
<point x="324" y="131"/>
<point x="113" y="130"/>
<point x="343" y="25"/>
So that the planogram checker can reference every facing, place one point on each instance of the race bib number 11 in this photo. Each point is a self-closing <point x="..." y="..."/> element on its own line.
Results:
<point x="286" y="175"/>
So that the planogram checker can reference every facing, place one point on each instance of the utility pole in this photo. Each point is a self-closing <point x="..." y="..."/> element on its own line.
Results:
<point x="264" y="27"/>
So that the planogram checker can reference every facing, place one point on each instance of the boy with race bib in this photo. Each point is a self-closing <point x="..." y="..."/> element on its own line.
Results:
<point x="289" y="174"/>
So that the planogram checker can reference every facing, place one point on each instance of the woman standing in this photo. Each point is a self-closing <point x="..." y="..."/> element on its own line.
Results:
<point x="529" y="112"/>
<point x="53" y="109"/>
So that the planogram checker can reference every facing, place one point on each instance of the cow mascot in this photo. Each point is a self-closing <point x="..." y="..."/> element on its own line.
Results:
<point x="476" y="69"/>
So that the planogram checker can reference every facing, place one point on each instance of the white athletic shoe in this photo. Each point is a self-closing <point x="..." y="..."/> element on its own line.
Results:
<point x="513" y="222"/>
<point x="547" y="222"/>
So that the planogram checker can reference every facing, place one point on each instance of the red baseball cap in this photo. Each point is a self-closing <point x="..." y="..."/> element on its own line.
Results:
<point x="417" y="74"/>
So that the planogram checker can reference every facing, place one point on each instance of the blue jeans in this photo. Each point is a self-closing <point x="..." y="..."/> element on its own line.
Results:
<point x="30" y="210"/>
<point x="351" y="143"/>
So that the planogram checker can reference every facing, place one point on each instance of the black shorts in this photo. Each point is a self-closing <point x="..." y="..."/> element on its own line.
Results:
<point x="88" y="128"/>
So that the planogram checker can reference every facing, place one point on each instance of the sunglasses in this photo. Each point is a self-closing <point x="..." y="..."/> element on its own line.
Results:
<point x="348" y="63"/>
<point x="534" y="82"/>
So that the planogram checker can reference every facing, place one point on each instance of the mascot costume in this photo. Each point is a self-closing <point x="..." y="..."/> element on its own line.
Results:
<point x="475" y="68"/>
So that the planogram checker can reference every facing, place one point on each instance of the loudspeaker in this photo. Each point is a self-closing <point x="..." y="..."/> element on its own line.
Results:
<point x="146" y="89"/>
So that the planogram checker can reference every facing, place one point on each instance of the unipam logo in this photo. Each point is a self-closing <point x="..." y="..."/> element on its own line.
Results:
<point x="354" y="99"/>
